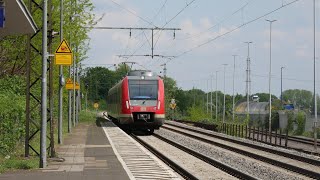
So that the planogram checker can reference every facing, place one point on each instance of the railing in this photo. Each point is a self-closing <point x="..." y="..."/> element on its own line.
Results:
<point x="256" y="134"/>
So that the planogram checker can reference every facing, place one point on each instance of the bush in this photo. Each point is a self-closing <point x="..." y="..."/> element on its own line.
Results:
<point x="291" y="120"/>
<point x="197" y="114"/>
<point x="12" y="113"/>
<point x="301" y="122"/>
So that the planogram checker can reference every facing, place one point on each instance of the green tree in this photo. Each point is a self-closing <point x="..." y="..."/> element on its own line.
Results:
<point x="264" y="97"/>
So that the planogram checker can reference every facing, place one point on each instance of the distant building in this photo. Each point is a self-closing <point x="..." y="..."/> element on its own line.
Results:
<point x="258" y="112"/>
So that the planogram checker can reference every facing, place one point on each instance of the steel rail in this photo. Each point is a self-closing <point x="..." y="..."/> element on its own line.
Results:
<point x="290" y="167"/>
<point x="184" y="173"/>
<point x="281" y="153"/>
<point x="224" y="167"/>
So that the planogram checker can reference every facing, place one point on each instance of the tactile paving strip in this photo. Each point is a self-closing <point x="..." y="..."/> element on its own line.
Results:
<point x="136" y="160"/>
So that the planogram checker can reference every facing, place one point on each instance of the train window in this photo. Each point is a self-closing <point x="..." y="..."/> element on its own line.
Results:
<point x="143" y="89"/>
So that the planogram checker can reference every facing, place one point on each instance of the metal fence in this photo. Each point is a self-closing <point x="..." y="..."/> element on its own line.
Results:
<point x="278" y="137"/>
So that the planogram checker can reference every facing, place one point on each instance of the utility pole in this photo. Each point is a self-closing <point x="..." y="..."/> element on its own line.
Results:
<point x="281" y="98"/>
<point x="77" y="93"/>
<point x="211" y="96"/>
<point x="314" y="71"/>
<point x="224" y="92"/>
<point x="143" y="29"/>
<point x="207" y="96"/>
<point x="248" y="80"/>
<point x="217" y="96"/>
<point x="43" y="134"/>
<point x="234" y="70"/>
<point x="74" y="93"/>
<point x="60" y="110"/>
<point x="270" y="102"/>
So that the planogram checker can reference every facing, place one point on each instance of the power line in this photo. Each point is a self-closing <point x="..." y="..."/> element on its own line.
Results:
<point x="131" y="12"/>
<point x="232" y="30"/>
<point x="125" y="52"/>
<point x="215" y="25"/>
<point x="187" y="4"/>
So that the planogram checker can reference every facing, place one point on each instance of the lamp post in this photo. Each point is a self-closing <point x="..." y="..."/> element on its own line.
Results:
<point x="270" y="103"/>
<point x="281" y="98"/>
<point x="234" y="70"/>
<point x="224" y="92"/>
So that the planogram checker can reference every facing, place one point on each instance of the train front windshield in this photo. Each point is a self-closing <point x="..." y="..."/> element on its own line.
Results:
<point x="143" y="89"/>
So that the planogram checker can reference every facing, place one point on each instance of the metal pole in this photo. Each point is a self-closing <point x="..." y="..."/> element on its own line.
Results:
<point x="51" y="66"/>
<point x="234" y="70"/>
<point x="281" y="98"/>
<point x="224" y="92"/>
<point x="86" y="100"/>
<point x="211" y="97"/>
<point x="74" y="93"/>
<point x="248" y="80"/>
<point x="152" y="44"/>
<point x="69" y="91"/>
<point x="217" y="96"/>
<point x="69" y="106"/>
<point x="314" y="71"/>
<point x="207" y="97"/>
<point x="60" y="80"/>
<point x="77" y="94"/>
<point x="270" y="102"/>
<point x="43" y="136"/>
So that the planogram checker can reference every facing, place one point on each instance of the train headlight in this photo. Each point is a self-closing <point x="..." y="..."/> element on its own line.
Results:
<point x="127" y="104"/>
<point x="142" y="77"/>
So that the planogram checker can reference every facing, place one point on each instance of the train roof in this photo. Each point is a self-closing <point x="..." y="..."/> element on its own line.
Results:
<point x="142" y="74"/>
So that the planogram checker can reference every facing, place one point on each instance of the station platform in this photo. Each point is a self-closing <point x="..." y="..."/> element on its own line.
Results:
<point x="98" y="151"/>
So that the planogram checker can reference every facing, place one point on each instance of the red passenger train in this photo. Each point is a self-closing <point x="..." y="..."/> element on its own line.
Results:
<point x="137" y="101"/>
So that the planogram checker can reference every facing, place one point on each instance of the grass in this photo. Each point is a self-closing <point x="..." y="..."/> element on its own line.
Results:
<point x="16" y="161"/>
<point x="88" y="117"/>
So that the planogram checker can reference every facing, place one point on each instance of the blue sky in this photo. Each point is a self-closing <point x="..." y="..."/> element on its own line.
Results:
<point x="292" y="40"/>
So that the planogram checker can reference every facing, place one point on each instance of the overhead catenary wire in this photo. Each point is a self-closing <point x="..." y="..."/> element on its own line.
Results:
<point x="133" y="13"/>
<point x="165" y="25"/>
<point x="217" y="24"/>
<point x="127" y="46"/>
<point x="187" y="4"/>
<point x="232" y="30"/>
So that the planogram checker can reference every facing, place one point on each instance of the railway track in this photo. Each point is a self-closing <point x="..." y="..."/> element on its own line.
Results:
<point x="273" y="161"/>
<point x="301" y="140"/>
<point x="224" y="167"/>
<point x="184" y="173"/>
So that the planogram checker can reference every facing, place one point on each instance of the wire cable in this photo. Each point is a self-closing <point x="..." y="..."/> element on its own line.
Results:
<point x="133" y="13"/>
<point x="232" y="30"/>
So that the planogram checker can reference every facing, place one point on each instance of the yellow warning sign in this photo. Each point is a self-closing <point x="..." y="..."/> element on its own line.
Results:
<point x="172" y="106"/>
<point x="69" y="84"/>
<point x="63" y="55"/>
<point x="96" y="105"/>
<point x="63" y="47"/>
<point x="77" y="86"/>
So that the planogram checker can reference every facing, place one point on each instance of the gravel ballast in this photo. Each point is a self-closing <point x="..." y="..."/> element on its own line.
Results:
<point x="250" y="166"/>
